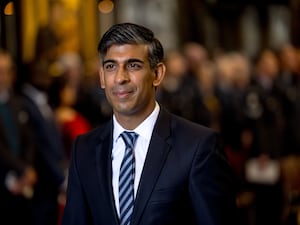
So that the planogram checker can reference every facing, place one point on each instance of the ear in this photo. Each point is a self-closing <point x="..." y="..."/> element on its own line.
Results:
<point x="101" y="78"/>
<point x="160" y="72"/>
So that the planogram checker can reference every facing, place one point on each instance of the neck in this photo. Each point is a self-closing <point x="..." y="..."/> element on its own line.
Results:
<point x="130" y="122"/>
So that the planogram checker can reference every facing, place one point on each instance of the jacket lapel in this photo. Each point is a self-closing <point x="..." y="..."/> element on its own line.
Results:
<point x="155" y="159"/>
<point x="104" y="171"/>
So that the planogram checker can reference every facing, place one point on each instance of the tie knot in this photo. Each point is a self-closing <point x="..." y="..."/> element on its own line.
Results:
<point x="129" y="138"/>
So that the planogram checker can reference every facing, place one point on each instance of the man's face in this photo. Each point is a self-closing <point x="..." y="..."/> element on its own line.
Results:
<point x="128" y="80"/>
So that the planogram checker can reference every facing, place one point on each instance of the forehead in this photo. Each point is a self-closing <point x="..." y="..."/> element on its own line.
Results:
<point x="127" y="51"/>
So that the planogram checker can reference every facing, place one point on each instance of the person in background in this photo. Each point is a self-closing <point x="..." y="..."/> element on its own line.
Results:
<point x="206" y="82"/>
<point x="50" y="160"/>
<point x="265" y="118"/>
<point x="73" y="69"/>
<point x="264" y="106"/>
<point x="174" y="171"/>
<point x="17" y="149"/>
<point x="62" y="97"/>
<point x="99" y="107"/>
<point x="225" y="92"/>
<point x="179" y="92"/>
<point x="235" y="72"/>
<point x="196" y="55"/>
<point x="289" y="78"/>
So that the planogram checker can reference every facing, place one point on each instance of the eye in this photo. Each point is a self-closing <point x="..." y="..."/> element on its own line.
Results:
<point x="109" y="67"/>
<point x="134" y="66"/>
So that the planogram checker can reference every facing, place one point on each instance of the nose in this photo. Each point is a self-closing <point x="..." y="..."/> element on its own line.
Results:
<point x="122" y="76"/>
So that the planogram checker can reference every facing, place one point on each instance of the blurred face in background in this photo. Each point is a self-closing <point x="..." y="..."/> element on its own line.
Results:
<point x="40" y="77"/>
<point x="207" y="76"/>
<point x="68" y="96"/>
<point x="268" y="65"/>
<point x="242" y="71"/>
<point x="225" y="71"/>
<point x="176" y="64"/>
<point x="72" y="65"/>
<point x="195" y="54"/>
<point x="289" y="60"/>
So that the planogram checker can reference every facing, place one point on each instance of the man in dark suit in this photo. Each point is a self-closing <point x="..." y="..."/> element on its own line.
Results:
<point x="50" y="156"/>
<point x="180" y="174"/>
<point x="17" y="149"/>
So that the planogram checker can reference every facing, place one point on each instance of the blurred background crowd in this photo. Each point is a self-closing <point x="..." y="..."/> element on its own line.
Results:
<point x="232" y="66"/>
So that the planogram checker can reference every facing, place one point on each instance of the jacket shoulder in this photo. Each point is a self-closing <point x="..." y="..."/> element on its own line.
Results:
<point x="97" y="134"/>
<point x="189" y="128"/>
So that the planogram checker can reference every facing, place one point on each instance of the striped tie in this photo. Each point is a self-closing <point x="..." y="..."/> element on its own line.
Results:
<point x="126" y="179"/>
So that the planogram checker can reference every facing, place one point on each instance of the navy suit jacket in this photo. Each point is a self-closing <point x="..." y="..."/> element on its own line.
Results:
<point x="50" y="155"/>
<point x="185" y="180"/>
<point x="24" y="138"/>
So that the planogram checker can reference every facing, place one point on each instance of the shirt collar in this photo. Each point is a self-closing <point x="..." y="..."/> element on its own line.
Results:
<point x="144" y="129"/>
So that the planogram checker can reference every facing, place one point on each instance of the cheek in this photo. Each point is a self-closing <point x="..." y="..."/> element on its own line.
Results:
<point x="147" y="86"/>
<point x="107" y="82"/>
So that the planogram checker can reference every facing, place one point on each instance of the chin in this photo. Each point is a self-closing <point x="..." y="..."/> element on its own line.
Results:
<point x="123" y="109"/>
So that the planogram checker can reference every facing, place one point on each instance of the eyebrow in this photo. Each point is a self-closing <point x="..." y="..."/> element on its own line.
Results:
<point x="108" y="61"/>
<point x="131" y="60"/>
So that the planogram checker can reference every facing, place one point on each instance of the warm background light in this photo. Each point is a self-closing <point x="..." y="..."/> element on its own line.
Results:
<point x="105" y="6"/>
<point x="9" y="9"/>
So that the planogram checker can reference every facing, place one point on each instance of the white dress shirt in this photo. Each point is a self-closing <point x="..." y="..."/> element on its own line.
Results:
<point x="144" y="130"/>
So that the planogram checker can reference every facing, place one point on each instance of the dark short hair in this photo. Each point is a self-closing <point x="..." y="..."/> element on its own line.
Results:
<point x="129" y="33"/>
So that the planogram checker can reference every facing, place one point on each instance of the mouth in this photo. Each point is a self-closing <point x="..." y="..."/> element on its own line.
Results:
<point x="122" y="94"/>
